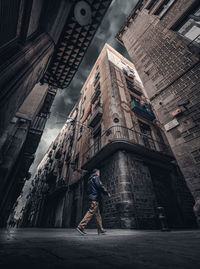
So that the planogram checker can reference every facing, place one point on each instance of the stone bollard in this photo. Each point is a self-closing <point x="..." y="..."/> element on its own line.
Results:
<point x="163" y="220"/>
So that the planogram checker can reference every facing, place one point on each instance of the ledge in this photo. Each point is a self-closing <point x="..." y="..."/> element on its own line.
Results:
<point x="148" y="155"/>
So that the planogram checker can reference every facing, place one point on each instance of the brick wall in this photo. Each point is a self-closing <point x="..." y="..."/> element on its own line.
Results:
<point x="170" y="72"/>
<point x="133" y="201"/>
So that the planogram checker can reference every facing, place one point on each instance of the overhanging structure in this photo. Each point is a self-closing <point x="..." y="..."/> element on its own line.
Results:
<point x="73" y="44"/>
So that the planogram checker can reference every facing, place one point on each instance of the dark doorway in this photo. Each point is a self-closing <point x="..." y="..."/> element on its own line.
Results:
<point x="146" y="135"/>
<point x="166" y="196"/>
<point x="97" y="140"/>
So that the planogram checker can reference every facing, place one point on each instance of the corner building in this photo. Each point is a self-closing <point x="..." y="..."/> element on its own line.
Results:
<point x="112" y="127"/>
<point x="162" y="39"/>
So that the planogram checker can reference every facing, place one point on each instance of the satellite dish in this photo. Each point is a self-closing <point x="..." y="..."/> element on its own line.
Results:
<point x="83" y="13"/>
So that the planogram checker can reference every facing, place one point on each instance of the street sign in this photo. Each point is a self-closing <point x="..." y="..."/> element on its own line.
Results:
<point x="170" y="125"/>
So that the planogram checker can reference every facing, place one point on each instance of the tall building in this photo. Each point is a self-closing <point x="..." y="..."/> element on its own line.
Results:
<point x="112" y="127"/>
<point x="42" y="41"/>
<point x="162" y="39"/>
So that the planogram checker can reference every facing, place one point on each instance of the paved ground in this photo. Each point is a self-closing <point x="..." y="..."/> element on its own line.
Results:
<point x="65" y="248"/>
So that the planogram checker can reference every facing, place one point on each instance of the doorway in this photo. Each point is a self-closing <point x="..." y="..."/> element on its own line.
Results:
<point x="166" y="196"/>
<point x="146" y="135"/>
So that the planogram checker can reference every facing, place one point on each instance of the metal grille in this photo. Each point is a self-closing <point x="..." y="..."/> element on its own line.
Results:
<point x="120" y="133"/>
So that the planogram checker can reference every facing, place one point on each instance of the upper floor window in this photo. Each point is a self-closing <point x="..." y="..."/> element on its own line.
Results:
<point x="76" y="161"/>
<point x="96" y="78"/>
<point x="131" y="87"/>
<point x="98" y="87"/>
<point x="83" y="112"/>
<point x="151" y="4"/>
<point x="163" y="8"/>
<point x="125" y="72"/>
<point x="190" y="26"/>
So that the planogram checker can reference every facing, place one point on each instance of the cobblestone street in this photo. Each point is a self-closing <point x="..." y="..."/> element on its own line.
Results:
<point x="65" y="248"/>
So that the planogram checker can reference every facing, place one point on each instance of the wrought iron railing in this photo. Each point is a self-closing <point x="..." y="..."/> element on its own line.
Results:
<point x="120" y="133"/>
<point x="39" y="122"/>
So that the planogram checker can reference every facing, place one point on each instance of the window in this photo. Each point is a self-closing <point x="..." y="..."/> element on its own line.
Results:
<point x="76" y="161"/>
<point x="96" y="78"/>
<point x="189" y="27"/>
<point x="97" y="87"/>
<point x="133" y="98"/>
<point x="125" y="72"/>
<point x="130" y="86"/>
<point x="130" y="70"/>
<point x="83" y="112"/>
<point x="162" y="9"/>
<point x="80" y="133"/>
<point x="97" y="140"/>
<point x="96" y="93"/>
<point x="151" y="4"/>
<point x="146" y="135"/>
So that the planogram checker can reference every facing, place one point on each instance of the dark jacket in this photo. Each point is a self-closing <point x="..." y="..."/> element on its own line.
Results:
<point x="95" y="188"/>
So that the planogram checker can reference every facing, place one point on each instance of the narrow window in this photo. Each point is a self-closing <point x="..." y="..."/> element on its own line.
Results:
<point x="190" y="26"/>
<point x="151" y="5"/>
<point x="160" y="12"/>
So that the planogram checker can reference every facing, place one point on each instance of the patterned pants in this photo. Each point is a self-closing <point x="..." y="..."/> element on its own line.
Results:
<point x="93" y="210"/>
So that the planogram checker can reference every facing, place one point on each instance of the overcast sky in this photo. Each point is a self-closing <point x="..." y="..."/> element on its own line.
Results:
<point x="66" y="99"/>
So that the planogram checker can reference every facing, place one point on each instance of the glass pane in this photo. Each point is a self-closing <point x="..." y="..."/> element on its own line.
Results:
<point x="191" y="28"/>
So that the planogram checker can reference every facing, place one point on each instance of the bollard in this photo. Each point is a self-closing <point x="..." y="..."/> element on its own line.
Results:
<point x="163" y="220"/>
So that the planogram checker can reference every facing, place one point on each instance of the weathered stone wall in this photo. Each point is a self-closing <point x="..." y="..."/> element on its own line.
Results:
<point x="20" y="73"/>
<point x="132" y="204"/>
<point x="170" y="71"/>
<point x="138" y="188"/>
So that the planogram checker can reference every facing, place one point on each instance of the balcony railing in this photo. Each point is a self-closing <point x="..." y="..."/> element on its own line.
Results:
<point x="120" y="134"/>
<point x="95" y="95"/>
<point x="39" y="122"/>
<point x="96" y="117"/>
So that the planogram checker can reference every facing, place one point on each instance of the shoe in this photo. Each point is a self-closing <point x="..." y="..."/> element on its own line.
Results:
<point x="101" y="231"/>
<point x="81" y="231"/>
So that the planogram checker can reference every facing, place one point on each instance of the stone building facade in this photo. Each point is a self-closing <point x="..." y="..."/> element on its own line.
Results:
<point x="112" y="127"/>
<point x="22" y="139"/>
<point x="42" y="41"/>
<point x="163" y="38"/>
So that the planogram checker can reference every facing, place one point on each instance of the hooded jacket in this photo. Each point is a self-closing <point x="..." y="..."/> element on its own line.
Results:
<point x="95" y="188"/>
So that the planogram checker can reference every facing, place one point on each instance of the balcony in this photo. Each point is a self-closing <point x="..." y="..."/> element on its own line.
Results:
<point x="123" y="138"/>
<point x="133" y="86"/>
<point x="96" y="117"/>
<point x="39" y="122"/>
<point x="95" y="94"/>
<point x="143" y="110"/>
